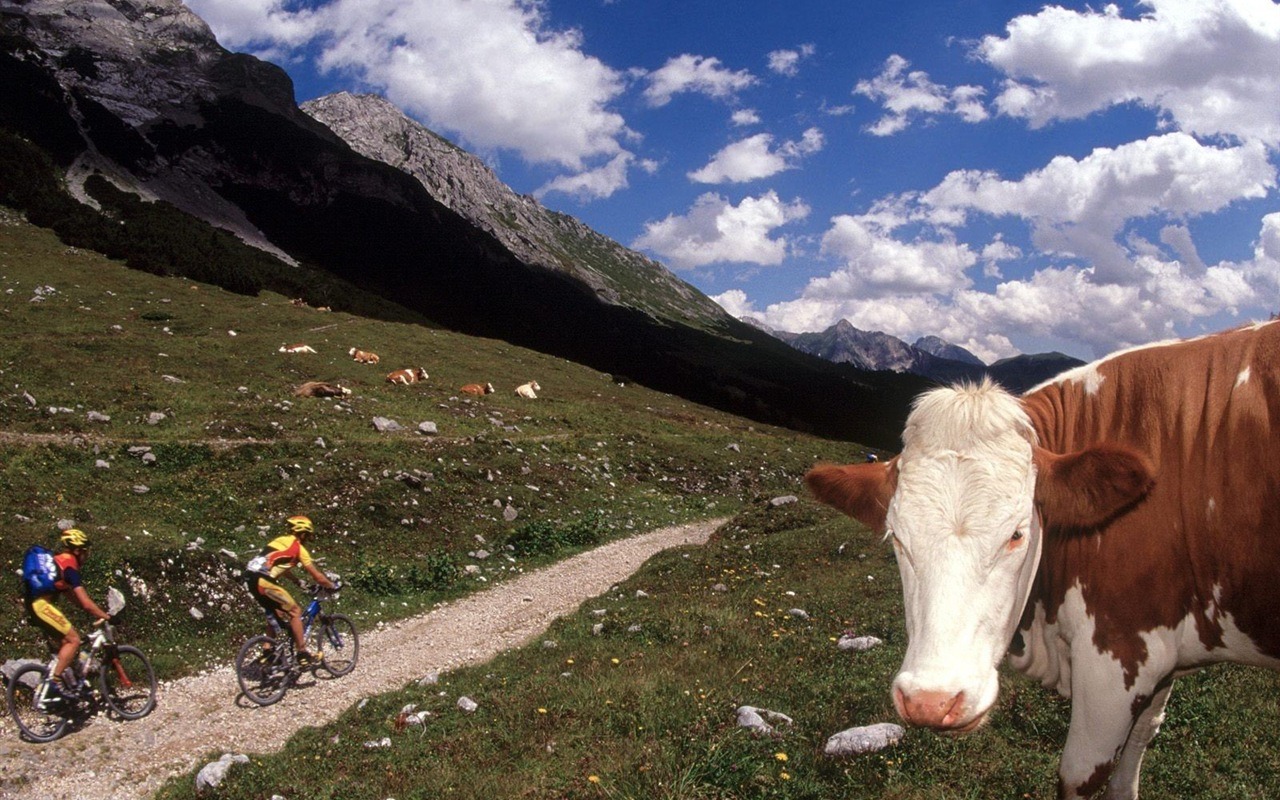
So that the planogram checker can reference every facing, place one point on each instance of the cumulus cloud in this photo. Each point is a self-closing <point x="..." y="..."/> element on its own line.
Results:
<point x="787" y="62"/>
<point x="716" y="231"/>
<point x="1078" y="207"/>
<point x="598" y="183"/>
<point x="907" y="94"/>
<point x="735" y="303"/>
<point x="745" y="116"/>
<point x="523" y="85"/>
<point x="754" y="158"/>
<point x="1209" y="67"/>
<point x="698" y="74"/>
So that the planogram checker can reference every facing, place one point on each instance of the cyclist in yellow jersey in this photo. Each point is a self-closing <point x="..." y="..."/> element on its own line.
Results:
<point x="276" y="560"/>
<point x="45" y="615"/>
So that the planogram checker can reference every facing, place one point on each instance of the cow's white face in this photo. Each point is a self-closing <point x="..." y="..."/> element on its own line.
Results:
<point x="967" y="540"/>
<point x="962" y="522"/>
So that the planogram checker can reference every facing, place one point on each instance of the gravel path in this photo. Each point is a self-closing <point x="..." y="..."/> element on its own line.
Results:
<point x="201" y="714"/>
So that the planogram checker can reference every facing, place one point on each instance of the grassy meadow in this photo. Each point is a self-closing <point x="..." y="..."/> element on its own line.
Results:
<point x="642" y="709"/>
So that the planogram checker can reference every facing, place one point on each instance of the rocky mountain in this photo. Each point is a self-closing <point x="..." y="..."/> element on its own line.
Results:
<point x="117" y="99"/>
<point x="930" y="357"/>
<point x="376" y="128"/>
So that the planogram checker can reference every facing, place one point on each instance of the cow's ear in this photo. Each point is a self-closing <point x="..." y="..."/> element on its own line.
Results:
<point x="862" y="491"/>
<point x="1088" y="488"/>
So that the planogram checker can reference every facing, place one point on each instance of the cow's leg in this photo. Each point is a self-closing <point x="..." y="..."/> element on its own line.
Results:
<point x="1102" y="715"/>
<point x="1124" y="779"/>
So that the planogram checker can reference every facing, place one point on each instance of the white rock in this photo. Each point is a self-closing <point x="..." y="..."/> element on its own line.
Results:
<point x="212" y="774"/>
<point x="467" y="704"/>
<point x="867" y="739"/>
<point x="858" y="644"/>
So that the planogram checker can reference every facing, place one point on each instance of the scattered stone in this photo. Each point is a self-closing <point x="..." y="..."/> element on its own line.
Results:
<point x="228" y="553"/>
<point x="196" y="613"/>
<point x="597" y="629"/>
<point x="472" y="569"/>
<point x="510" y="513"/>
<point x="635" y="628"/>
<point x="867" y="739"/>
<point x="140" y="489"/>
<point x="172" y="379"/>
<point x="213" y="773"/>
<point x="784" y="500"/>
<point x="31" y="401"/>
<point x="156" y="417"/>
<point x="148" y="458"/>
<point x="319" y="442"/>
<point x="138" y="450"/>
<point x="734" y="447"/>
<point x="798" y="613"/>
<point x="547" y="644"/>
<point x="754" y="719"/>
<point x="384" y="742"/>
<point x="641" y="594"/>
<point x="430" y="679"/>
<point x="384" y="425"/>
<point x="719" y="587"/>
<point x="467" y="704"/>
<point x="858" y="644"/>
<point x="95" y="416"/>
<point x="65" y="524"/>
<point x="428" y="428"/>
<point x="101" y="464"/>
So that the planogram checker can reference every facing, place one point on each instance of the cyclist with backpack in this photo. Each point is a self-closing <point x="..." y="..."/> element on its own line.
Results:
<point x="44" y="577"/>
<point x="275" y="561"/>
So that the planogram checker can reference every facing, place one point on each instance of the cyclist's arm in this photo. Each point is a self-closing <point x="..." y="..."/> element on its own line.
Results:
<point x="86" y="602"/>
<point x="318" y="576"/>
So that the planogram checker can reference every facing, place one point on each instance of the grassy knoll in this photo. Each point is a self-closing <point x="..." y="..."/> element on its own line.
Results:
<point x="236" y="452"/>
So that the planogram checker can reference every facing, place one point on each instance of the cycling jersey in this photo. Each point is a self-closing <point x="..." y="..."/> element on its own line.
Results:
<point x="279" y="556"/>
<point x="45" y="614"/>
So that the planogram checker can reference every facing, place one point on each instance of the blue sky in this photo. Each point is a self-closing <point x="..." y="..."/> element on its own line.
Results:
<point x="1010" y="176"/>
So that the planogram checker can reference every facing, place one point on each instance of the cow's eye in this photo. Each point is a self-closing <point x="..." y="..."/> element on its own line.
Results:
<point x="1016" y="536"/>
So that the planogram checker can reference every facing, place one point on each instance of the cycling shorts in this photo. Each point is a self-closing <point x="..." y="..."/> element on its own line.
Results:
<point x="47" y="617"/>
<point x="270" y="595"/>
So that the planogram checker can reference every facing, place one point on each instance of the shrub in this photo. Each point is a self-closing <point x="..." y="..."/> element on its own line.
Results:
<point x="437" y="570"/>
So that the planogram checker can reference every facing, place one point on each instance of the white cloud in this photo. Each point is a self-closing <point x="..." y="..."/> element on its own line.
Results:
<point x="787" y="62"/>
<point x="1207" y="66"/>
<point x="905" y="95"/>
<point x="716" y="231"/>
<point x="493" y="72"/>
<point x="1078" y="207"/>
<point x="876" y="264"/>
<point x="735" y="303"/>
<point x="746" y="116"/>
<point x="752" y="158"/>
<point x="598" y="183"/>
<point x="690" y="73"/>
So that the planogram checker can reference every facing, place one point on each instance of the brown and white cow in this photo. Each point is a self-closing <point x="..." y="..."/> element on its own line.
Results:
<point x="1123" y="520"/>
<point x="407" y="376"/>
<point x="363" y="356"/>
<point x="296" y="348"/>
<point x="477" y="389"/>
<point x="529" y="390"/>
<point x="321" y="389"/>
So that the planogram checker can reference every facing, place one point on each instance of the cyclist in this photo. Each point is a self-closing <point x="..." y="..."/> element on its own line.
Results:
<point x="275" y="561"/>
<point x="45" y="615"/>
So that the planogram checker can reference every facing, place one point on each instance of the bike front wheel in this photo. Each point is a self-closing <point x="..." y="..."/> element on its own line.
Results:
<point x="41" y="713"/>
<point x="128" y="683"/>
<point x="262" y="668"/>
<point x="337" y="642"/>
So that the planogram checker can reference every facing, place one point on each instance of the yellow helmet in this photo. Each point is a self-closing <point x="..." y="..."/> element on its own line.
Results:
<point x="299" y="524"/>
<point x="74" y="537"/>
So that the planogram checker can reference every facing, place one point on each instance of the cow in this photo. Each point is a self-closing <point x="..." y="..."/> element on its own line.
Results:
<point x="296" y="348"/>
<point x="1111" y="529"/>
<point x="321" y="389"/>
<point x="407" y="376"/>
<point x="529" y="390"/>
<point x="477" y="389"/>
<point x="363" y="357"/>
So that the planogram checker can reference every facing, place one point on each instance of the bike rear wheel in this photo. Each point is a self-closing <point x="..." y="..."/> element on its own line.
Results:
<point x="128" y="683"/>
<point x="42" y="715"/>
<point x="336" y="641"/>
<point x="263" y="669"/>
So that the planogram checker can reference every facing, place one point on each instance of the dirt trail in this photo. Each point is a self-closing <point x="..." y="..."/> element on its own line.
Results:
<point x="200" y="714"/>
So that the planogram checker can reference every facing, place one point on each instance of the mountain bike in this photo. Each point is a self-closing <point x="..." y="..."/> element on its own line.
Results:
<point x="267" y="665"/>
<point x="117" y="675"/>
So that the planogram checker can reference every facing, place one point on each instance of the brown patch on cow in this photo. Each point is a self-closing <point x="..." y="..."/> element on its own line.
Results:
<point x="1207" y="429"/>
<point x="1096" y="782"/>
<point x="862" y="491"/>
<point x="1086" y="489"/>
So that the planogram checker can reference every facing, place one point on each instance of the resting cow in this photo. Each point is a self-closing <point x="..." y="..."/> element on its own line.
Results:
<point x="477" y="389"/>
<point x="407" y="376"/>
<point x="529" y="390"/>
<point x="1123" y="520"/>
<point x="362" y="356"/>
<point x="321" y="389"/>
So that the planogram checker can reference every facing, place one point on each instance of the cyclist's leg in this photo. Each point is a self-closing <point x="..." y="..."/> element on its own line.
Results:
<point x="49" y="619"/>
<point x="285" y="608"/>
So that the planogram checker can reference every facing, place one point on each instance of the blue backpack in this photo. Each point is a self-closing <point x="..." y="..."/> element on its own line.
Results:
<point x="39" y="571"/>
